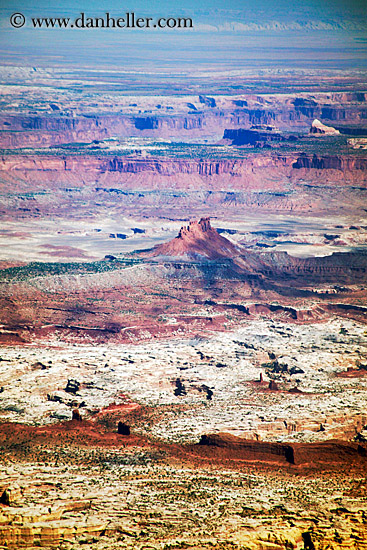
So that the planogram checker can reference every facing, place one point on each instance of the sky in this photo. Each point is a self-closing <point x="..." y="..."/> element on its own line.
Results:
<point x="225" y="33"/>
<point x="291" y="6"/>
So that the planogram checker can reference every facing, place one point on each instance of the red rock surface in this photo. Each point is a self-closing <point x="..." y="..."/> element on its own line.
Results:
<point x="317" y="455"/>
<point x="198" y="239"/>
<point x="220" y="448"/>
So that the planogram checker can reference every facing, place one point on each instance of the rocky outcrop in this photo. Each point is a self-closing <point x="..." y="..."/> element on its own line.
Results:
<point x="72" y="386"/>
<point x="298" y="454"/>
<point x="208" y="101"/>
<point x="179" y="388"/>
<point x="10" y="496"/>
<point x="76" y="415"/>
<point x="254" y="137"/>
<point x="146" y="123"/>
<point x="198" y="239"/>
<point x="248" y="449"/>
<point x="320" y="129"/>
<point x="47" y="529"/>
<point x="123" y="429"/>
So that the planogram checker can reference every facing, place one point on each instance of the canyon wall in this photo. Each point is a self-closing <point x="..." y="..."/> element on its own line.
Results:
<point x="298" y="454"/>
<point x="270" y="182"/>
<point x="55" y="128"/>
<point x="269" y="171"/>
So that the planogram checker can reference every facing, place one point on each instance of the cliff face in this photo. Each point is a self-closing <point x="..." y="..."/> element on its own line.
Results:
<point x="45" y="130"/>
<point x="141" y="173"/>
<point x="172" y="167"/>
<point x="258" y="138"/>
<point x="239" y="170"/>
<point x="339" y="267"/>
<point x="268" y="182"/>
<point x="328" y="162"/>
<point x="55" y="128"/>
<point x="298" y="454"/>
<point x="268" y="173"/>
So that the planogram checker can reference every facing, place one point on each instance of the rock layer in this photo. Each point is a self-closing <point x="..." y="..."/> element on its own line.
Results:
<point x="298" y="454"/>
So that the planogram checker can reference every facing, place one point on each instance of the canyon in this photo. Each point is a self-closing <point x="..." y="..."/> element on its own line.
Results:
<point x="174" y="118"/>
<point x="183" y="273"/>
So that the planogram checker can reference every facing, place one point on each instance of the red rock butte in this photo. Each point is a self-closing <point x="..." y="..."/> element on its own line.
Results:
<point x="197" y="239"/>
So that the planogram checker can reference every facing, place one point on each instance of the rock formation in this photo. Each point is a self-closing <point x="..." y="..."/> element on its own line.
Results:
<point x="76" y="415"/>
<point x="318" y="128"/>
<point x="6" y="497"/>
<point x="72" y="386"/>
<point x="257" y="136"/>
<point x="180" y="388"/>
<point x="198" y="239"/>
<point x="208" y="101"/>
<point x="330" y="452"/>
<point x="273" y="385"/>
<point x="123" y="429"/>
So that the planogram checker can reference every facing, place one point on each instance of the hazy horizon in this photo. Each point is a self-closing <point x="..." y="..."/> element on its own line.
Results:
<point x="245" y="34"/>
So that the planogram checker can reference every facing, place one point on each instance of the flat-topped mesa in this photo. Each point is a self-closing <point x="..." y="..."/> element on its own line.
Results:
<point x="197" y="239"/>
<point x="319" y="128"/>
